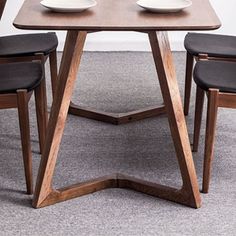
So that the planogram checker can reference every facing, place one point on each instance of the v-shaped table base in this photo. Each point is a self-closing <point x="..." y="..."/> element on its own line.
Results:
<point x="188" y="194"/>
<point x="119" y="181"/>
<point x="116" y="118"/>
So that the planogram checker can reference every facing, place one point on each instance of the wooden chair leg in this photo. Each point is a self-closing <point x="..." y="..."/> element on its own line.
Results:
<point x="188" y="82"/>
<point x="210" y="137"/>
<point x="23" y="112"/>
<point x="198" y="117"/>
<point x="53" y="70"/>
<point x="41" y="112"/>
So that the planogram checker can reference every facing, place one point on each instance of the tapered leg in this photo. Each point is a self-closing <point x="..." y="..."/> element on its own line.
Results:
<point x="170" y="92"/>
<point x="53" y="70"/>
<point x="198" y="117"/>
<point x="188" y="82"/>
<point x="46" y="195"/>
<point x="41" y="112"/>
<point x="210" y="137"/>
<point x="67" y="76"/>
<point x="23" y="112"/>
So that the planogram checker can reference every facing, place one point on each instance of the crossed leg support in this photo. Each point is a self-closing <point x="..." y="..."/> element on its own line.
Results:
<point x="189" y="193"/>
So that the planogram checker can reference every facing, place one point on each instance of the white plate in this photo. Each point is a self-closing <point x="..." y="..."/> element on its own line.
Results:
<point x="164" y="6"/>
<point x="68" y="5"/>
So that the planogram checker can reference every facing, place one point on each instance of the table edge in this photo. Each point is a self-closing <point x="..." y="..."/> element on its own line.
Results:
<point x="129" y="28"/>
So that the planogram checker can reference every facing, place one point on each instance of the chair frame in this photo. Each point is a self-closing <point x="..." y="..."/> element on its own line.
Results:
<point x="216" y="99"/>
<point x="189" y="72"/>
<point x="52" y="57"/>
<point x="20" y="100"/>
<point x="43" y="58"/>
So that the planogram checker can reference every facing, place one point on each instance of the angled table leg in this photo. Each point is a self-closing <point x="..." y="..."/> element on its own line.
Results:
<point x="114" y="117"/>
<point x="188" y="195"/>
<point x="66" y="79"/>
<point x="166" y="73"/>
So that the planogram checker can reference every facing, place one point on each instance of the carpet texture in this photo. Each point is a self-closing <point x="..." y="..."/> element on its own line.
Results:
<point x="118" y="82"/>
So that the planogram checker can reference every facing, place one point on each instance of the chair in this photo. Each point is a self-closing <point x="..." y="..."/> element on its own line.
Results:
<point x="217" y="80"/>
<point x="17" y="83"/>
<point x="26" y="47"/>
<point x="212" y="46"/>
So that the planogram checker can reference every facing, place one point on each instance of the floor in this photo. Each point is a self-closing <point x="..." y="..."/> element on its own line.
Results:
<point x="144" y="149"/>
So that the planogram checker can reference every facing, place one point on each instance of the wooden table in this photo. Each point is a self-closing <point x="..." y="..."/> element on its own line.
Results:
<point x="111" y="15"/>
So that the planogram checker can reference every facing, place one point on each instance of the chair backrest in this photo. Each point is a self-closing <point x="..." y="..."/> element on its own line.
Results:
<point x="2" y="5"/>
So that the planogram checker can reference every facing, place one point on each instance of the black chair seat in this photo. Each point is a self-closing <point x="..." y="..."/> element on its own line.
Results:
<point x="212" y="44"/>
<point x="27" y="44"/>
<point x="24" y="75"/>
<point x="216" y="74"/>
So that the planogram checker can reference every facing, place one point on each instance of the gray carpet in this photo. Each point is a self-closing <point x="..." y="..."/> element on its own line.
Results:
<point x="144" y="149"/>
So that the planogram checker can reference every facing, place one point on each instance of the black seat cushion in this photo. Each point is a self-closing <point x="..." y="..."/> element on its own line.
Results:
<point x="27" y="44"/>
<point x="23" y="75"/>
<point x="216" y="74"/>
<point x="212" y="44"/>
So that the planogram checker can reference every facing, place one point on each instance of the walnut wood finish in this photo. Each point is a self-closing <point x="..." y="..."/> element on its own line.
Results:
<point x="53" y="70"/>
<point x="215" y="99"/>
<point x="210" y="137"/>
<point x="125" y="16"/>
<point x="67" y="75"/>
<point x="188" y="82"/>
<point x="116" y="118"/>
<point x="170" y="92"/>
<point x="20" y="100"/>
<point x="189" y="71"/>
<point x="23" y="111"/>
<point x="41" y="112"/>
<point x="44" y="193"/>
<point x="227" y="100"/>
<point x="52" y="56"/>
<point x="38" y="57"/>
<point x="116" y="181"/>
<point x="198" y="117"/>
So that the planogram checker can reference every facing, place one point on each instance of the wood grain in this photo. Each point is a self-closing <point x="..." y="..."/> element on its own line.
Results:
<point x="41" y="112"/>
<point x="44" y="193"/>
<point x="117" y="15"/>
<point x="53" y="70"/>
<point x="166" y="73"/>
<point x="67" y="76"/>
<point x="114" y="16"/>
<point x="116" y="118"/>
<point x="227" y="100"/>
<point x="23" y="111"/>
<point x="188" y="82"/>
<point x="198" y="117"/>
<point x="116" y="181"/>
<point x="210" y="137"/>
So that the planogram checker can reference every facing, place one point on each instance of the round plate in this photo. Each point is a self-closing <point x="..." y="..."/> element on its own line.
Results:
<point x="68" y="5"/>
<point x="164" y="6"/>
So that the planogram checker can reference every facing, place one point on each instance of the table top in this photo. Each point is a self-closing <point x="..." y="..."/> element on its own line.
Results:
<point x="117" y="15"/>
